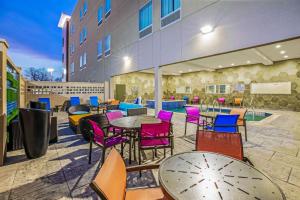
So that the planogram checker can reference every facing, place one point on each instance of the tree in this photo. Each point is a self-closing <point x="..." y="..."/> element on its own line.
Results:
<point x="37" y="74"/>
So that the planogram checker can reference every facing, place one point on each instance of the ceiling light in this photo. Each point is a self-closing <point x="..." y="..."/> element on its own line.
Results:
<point x="220" y="66"/>
<point x="278" y="46"/>
<point x="248" y="61"/>
<point x="232" y="64"/>
<point x="190" y="70"/>
<point x="180" y="71"/>
<point x="282" y="52"/>
<point x="286" y="56"/>
<point x="206" y="29"/>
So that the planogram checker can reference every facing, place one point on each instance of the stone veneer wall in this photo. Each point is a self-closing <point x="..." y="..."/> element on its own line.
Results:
<point x="257" y="73"/>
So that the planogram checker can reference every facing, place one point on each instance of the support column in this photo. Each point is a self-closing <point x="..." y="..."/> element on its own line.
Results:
<point x="158" y="89"/>
<point x="106" y="90"/>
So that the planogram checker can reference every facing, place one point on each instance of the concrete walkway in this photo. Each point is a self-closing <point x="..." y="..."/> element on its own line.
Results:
<point x="64" y="173"/>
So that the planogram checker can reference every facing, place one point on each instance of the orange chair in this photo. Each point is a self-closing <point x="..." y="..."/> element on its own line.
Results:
<point x="238" y="101"/>
<point x="241" y="121"/>
<point x="110" y="182"/>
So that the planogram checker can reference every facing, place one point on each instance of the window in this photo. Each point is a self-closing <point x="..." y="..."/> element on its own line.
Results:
<point x="99" y="49"/>
<point x="80" y="14"/>
<point x="145" y="19"/>
<point x="100" y="13"/>
<point x="83" y="35"/>
<point x="170" y="11"/>
<point x="72" y="68"/>
<point x="84" y="7"/>
<point x="107" y="8"/>
<point x="72" y="48"/>
<point x="72" y="29"/>
<point x="80" y="61"/>
<point x="218" y="89"/>
<point x="107" y="45"/>
<point x="84" y="58"/>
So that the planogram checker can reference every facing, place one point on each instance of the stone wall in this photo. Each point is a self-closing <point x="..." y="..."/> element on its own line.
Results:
<point x="278" y="72"/>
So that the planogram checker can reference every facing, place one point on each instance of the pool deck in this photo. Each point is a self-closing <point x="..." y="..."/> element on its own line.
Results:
<point x="64" y="173"/>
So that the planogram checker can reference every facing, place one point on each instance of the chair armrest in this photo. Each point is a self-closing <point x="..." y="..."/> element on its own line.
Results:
<point x="192" y="116"/>
<point x="141" y="167"/>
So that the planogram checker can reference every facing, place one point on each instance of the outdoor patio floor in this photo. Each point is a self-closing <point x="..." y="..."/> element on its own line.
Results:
<point x="64" y="173"/>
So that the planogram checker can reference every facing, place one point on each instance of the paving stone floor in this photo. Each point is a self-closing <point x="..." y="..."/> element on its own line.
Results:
<point x="64" y="173"/>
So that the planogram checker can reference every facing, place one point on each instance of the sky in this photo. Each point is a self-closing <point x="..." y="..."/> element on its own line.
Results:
<point x="30" y="28"/>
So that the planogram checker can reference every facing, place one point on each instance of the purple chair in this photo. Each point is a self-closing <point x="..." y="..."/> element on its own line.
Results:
<point x="99" y="138"/>
<point x="193" y="116"/>
<point x="113" y="116"/>
<point x="155" y="136"/>
<point x="196" y="100"/>
<point x="172" y="98"/>
<point x="164" y="115"/>
<point x="221" y="101"/>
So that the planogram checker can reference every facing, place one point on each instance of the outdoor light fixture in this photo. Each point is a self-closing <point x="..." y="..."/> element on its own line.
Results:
<point x="65" y="71"/>
<point x="126" y="58"/>
<point x="282" y="52"/>
<point x="50" y="70"/>
<point x="278" y="46"/>
<point x="206" y="29"/>
<point x="127" y="61"/>
<point x="286" y="56"/>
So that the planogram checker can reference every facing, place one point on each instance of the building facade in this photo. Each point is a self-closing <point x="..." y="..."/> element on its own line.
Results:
<point x="113" y="37"/>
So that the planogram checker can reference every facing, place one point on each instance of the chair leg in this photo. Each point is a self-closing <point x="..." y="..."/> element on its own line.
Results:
<point x="90" y="153"/>
<point x="140" y="160"/>
<point x="103" y="156"/>
<point x="185" y="126"/>
<point x="122" y="149"/>
<point x="164" y="153"/>
<point x="155" y="151"/>
<point x="129" y="150"/>
<point x="245" y="133"/>
<point x="134" y="150"/>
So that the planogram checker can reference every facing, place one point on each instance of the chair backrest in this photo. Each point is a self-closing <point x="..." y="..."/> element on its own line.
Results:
<point x="192" y="111"/>
<point x="110" y="182"/>
<point x="172" y="98"/>
<point x="238" y="101"/>
<point x="85" y="127"/>
<point x="239" y="111"/>
<point x="94" y="101"/>
<point x="196" y="97"/>
<point x="115" y="102"/>
<point x="136" y="111"/>
<point x="229" y="144"/>
<point x="74" y="101"/>
<point x="98" y="132"/>
<point x="226" y="123"/>
<point x="164" y="115"/>
<point x="47" y="101"/>
<point x="185" y="97"/>
<point x="221" y="100"/>
<point x="78" y="110"/>
<point x="113" y="115"/>
<point x="155" y="130"/>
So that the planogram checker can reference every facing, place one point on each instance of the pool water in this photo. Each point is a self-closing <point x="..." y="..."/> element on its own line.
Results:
<point x="258" y="116"/>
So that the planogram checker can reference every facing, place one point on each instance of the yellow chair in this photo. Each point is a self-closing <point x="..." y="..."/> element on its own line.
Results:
<point x="238" y="101"/>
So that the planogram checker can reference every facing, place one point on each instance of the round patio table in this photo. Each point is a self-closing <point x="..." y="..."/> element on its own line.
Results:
<point x="203" y="175"/>
<point x="134" y="122"/>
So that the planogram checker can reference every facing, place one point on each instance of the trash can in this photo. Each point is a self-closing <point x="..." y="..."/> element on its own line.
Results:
<point x="35" y="129"/>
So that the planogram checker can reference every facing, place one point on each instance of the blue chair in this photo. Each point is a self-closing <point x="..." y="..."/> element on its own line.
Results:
<point x="46" y="101"/>
<point x="75" y="101"/>
<point x="224" y="123"/>
<point x="186" y="98"/>
<point x="94" y="101"/>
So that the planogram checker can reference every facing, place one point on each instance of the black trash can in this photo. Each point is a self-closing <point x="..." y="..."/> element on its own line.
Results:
<point x="35" y="126"/>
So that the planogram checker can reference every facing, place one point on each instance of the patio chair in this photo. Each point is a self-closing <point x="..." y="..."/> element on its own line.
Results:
<point x="224" y="123"/>
<point x="221" y="101"/>
<point x="172" y="98"/>
<point x="193" y="116"/>
<point x="155" y="136"/>
<point x="164" y="115"/>
<point x="241" y="120"/>
<point x="110" y="182"/>
<point x="94" y="103"/>
<point x="85" y="127"/>
<point x="186" y="99"/>
<point x="238" y="102"/>
<point x="196" y="100"/>
<point x="47" y="102"/>
<point x="74" y="101"/>
<point x="113" y="116"/>
<point x="99" y="138"/>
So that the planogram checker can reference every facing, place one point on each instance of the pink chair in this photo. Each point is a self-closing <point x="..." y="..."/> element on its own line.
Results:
<point x="113" y="116"/>
<point x="193" y="116"/>
<point x="164" y="115"/>
<point x="99" y="138"/>
<point x="221" y="101"/>
<point x="155" y="136"/>
<point x="196" y="100"/>
<point x="172" y="98"/>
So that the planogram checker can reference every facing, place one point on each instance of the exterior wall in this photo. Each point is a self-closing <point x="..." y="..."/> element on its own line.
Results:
<point x="279" y="72"/>
<point x="238" y="24"/>
<point x="65" y="48"/>
<point x="59" y="92"/>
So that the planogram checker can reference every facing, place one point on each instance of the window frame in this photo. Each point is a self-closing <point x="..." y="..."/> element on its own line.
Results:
<point x="99" y="22"/>
<point x="151" y="25"/>
<point x="107" y="12"/>
<point x="107" y="50"/>
<point x="99" y="54"/>
<point x="174" y="11"/>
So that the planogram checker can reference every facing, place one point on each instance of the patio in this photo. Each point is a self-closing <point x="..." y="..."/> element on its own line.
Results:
<point x="64" y="173"/>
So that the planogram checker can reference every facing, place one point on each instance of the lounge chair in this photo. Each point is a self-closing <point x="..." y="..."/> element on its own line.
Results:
<point x="224" y="123"/>
<point x="94" y="103"/>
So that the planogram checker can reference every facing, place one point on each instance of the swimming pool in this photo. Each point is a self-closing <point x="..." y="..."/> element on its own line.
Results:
<point x="258" y="116"/>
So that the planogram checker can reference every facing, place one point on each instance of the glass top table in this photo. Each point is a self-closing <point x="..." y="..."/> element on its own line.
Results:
<point x="203" y="175"/>
<point x="134" y="122"/>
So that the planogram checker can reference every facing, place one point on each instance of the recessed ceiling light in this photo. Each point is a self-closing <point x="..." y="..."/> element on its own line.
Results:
<point x="190" y="70"/>
<point x="248" y="61"/>
<point x="278" y="46"/>
<point x="286" y="56"/>
<point x="232" y="64"/>
<point x="220" y="66"/>
<point x="206" y="29"/>
<point x="180" y="71"/>
<point x="282" y="52"/>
